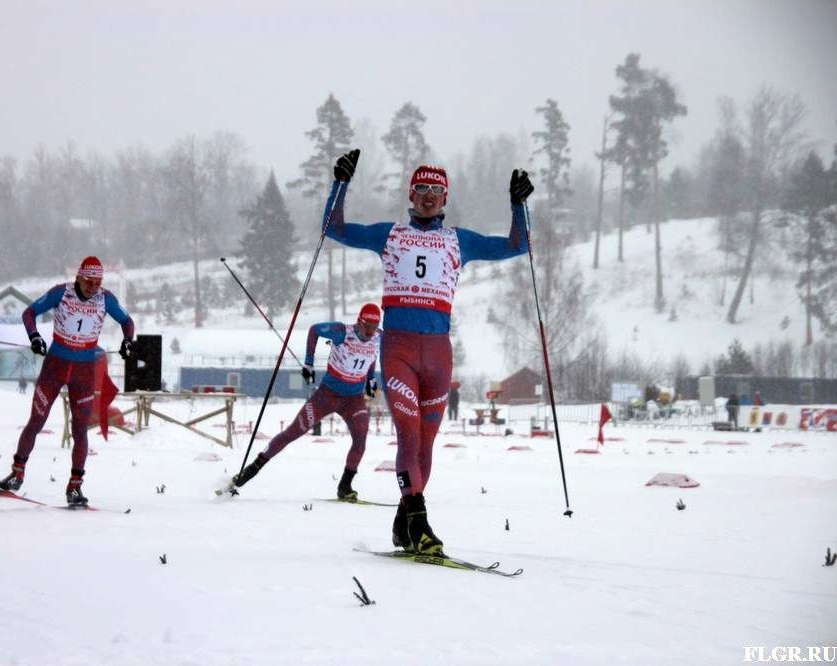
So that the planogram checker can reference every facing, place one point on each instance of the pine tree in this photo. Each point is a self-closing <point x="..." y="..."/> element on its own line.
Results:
<point x="553" y="143"/>
<point x="332" y="137"/>
<point x="482" y="182"/>
<point x="267" y="247"/>
<point x="407" y="148"/>
<point x="552" y="239"/>
<point x="187" y="182"/>
<point x="627" y="151"/>
<point x="659" y="105"/>
<point x="633" y="184"/>
<point x="602" y="157"/>
<point x="736" y="362"/>
<point x="727" y="166"/>
<point x="131" y="297"/>
<point x="167" y="304"/>
<point x="677" y="195"/>
<point x="810" y="195"/>
<point x="649" y="101"/>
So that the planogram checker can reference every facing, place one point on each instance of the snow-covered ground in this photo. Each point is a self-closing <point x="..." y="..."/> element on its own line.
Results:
<point x="258" y="580"/>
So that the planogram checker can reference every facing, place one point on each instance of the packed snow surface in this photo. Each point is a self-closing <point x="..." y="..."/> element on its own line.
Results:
<point x="260" y="580"/>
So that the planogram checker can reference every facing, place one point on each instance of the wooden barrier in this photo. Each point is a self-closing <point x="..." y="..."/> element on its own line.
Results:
<point x="147" y="403"/>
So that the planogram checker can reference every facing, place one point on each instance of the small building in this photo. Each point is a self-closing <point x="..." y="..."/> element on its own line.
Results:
<point x="252" y="382"/>
<point x="524" y="387"/>
<point x="247" y="380"/>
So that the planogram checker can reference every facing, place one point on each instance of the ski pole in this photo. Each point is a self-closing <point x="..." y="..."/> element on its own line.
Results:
<point x="17" y="344"/>
<point x="326" y="222"/>
<point x="12" y="344"/>
<point x="568" y="512"/>
<point x="256" y="305"/>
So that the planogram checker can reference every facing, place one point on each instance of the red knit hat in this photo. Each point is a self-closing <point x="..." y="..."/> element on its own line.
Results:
<point x="429" y="175"/>
<point x="369" y="314"/>
<point x="91" y="269"/>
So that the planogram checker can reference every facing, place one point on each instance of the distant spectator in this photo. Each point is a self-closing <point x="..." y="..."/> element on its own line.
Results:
<point x="21" y="385"/>
<point x="453" y="401"/>
<point x="732" y="410"/>
<point x="757" y="402"/>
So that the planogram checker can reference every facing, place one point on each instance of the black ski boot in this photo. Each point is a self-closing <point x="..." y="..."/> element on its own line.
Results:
<point x="421" y="535"/>
<point x="15" y="480"/>
<point x="75" y="498"/>
<point x="400" y="535"/>
<point x="250" y="471"/>
<point x="344" y="488"/>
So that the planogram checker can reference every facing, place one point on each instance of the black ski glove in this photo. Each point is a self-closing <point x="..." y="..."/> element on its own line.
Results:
<point x="37" y="344"/>
<point x="344" y="168"/>
<point x="371" y="387"/>
<point x="126" y="349"/>
<point x="308" y="374"/>
<point x="520" y="187"/>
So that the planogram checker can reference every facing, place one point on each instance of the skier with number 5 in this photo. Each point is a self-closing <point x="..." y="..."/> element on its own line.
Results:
<point x="80" y="308"/>
<point x="422" y="259"/>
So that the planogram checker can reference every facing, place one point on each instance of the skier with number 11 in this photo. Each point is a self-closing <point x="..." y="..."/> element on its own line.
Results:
<point x="350" y="374"/>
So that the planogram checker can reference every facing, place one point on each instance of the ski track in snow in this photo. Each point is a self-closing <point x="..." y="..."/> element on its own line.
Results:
<point x="256" y="579"/>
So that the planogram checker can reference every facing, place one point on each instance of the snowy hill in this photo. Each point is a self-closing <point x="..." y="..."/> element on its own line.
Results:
<point x="693" y="324"/>
<point x="693" y="281"/>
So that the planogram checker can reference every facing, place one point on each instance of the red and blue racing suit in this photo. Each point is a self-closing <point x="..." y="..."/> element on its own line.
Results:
<point x="351" y="363"/>
<point x="71" y="359"/>
<point x="421" y="260"/>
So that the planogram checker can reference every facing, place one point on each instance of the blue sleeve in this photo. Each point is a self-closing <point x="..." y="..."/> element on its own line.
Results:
<point x="476" y="246"/>
<point x="362" y="236"/>
<point x="115" y="310"/>
<point x="332" y="330"/>
<point x="49" y="300"/>
<point x="46" y="302"/>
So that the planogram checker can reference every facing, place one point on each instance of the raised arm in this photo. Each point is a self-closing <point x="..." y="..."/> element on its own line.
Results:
<point x="362" y="236"/>
<point x="474" y="245"/>
<point x="344" y="169"/>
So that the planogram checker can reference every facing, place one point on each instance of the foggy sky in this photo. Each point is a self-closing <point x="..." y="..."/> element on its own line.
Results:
<point x="108" y="75"/>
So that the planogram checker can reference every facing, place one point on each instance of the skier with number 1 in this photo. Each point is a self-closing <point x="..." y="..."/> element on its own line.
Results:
<point x="79" y="309"/>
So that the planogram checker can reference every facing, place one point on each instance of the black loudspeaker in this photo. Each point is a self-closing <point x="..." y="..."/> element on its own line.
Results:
<point x="143" y="370"/>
